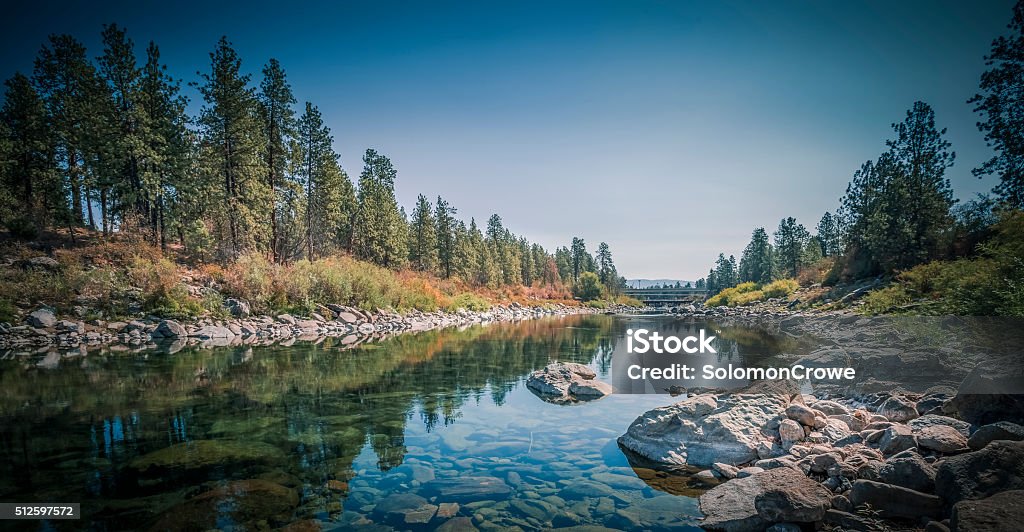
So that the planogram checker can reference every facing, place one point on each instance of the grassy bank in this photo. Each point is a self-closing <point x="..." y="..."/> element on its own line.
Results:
<point x="114" y="279"/>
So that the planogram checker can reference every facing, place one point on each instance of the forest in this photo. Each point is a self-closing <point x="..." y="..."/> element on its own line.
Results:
<point x="899" y="222"/>
<point x="102" y="148"/>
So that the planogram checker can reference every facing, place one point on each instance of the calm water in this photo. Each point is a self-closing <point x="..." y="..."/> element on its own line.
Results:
<point x="311" y="434"/>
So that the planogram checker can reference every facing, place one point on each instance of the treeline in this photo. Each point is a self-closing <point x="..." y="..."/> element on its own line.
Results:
<point x="898" y="211"/>
<point x="106" y="143"/>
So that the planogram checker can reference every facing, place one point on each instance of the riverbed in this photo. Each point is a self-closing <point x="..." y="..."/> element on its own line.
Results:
<point x="420" y="431"/>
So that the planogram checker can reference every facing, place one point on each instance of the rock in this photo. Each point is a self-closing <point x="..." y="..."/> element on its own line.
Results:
<point x="790" y="432"/>
<point x="704" y="429"/>
<point x="910" y="472"/>
<point x="209" y="332"/>
<point x="831" y="408"/>
<point x="1002" y="511"/>
<point x="748" y="471"/>
<point x="936" y="526"/>
<point x="457" y="524"/>
<point x="556" y="381"/>
<point x="348" y="317"/>
<point x="405" y="509"/>
<point x="205" y="454"/>
<point x="447" y="509"/>
<point x="41" y="318"/>
<point x="1002" y="430"/>
<point x="897" y="438"/>
<point x="788" y="495"/>
<point x="171" y="329"/>
<point x="931" y="420"/>
<point x="588" y="389"/>
<point x="725" y="470"/>
<point x="40" y="263"/>
<point x="894" y="501"/>
<point x="783" y="527"/>
<point x="237" y="307"/>
<point x="469" y="488"/>
<point x="942" y="438"/>
<point x="287" y="319"/>
<point x="707" y="476"/>
<point x="800" y="414"/>
<point x="851" y="421"/>
<point x="991" y="392"/>
<point x="841" y="503"/>
<point x="898" y="409"/>
<point x="243" y="503"/>
<point x="848" y="521"/>
<point x="730" y="507"/>
<point x="999" y="466"/>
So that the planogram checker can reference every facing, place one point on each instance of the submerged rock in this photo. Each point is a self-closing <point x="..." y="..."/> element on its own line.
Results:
<point x="705" y="429"/>
<point x="202" y="454"/>
<point x="242" y="502"/>
<point x="567" y="382"/>
<point x="469" y="488"/>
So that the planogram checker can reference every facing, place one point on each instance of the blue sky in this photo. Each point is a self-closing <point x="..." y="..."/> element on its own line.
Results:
<point x="667" y="129"/>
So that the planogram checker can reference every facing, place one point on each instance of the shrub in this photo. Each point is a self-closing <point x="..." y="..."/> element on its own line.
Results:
<point x="588" y="287"/>
<point x="468" y="301"/>
<point x="780" y="288"/>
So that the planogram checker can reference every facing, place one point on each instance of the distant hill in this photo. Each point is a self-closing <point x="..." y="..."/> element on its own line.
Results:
<point x="647" y="283"/>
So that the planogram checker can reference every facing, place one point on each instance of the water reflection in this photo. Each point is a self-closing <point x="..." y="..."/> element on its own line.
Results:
<point x="211" y="437"/>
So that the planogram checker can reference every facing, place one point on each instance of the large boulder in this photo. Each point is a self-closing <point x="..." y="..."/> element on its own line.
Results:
<point x="41" y="318"/>
<point x="238" y="308"/>
<point x="170" y="329"/>
<point x="942" y="438"/>
<point x="567" y="382"/>
<point x="1002" y="511"/>
<point x="895" y="501"/>
<point x="898" y="409"/>
<point x="997" y="467"/>
<point x="210" y="332"/>
<point x="730" y="507"/>
<point x="931" y="420"/>
<point x="897" y="438"/>
<point x="910" y="471"/>
<point x="990" y="393"/>
<point x="1003" y="430"/>
<point x="789" y="496"/>
<point x="405" y="509"/>
<point x="705" y="429"/>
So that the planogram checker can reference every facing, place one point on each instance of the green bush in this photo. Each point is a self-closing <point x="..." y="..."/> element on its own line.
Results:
<point x="588" y="287"/>
<point x="468" y="301"/>
<point x="780" y="288"/>
<point x="749" y="292"/>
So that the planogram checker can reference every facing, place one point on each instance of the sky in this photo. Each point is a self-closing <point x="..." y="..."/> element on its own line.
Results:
<point x="667" y="129"/>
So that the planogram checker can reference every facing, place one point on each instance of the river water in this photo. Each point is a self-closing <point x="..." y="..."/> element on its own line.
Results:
<point x="419" y="431"/>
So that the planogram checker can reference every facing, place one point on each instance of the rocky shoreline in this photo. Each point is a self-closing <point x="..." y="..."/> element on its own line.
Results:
<point x="43" y="331"/>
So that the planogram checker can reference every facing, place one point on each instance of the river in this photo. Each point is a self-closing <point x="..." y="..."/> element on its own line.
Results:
<point x="419" y="431"/>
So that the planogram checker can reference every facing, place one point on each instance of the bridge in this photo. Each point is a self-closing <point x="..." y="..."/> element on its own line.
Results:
<point x="667" y="297"/>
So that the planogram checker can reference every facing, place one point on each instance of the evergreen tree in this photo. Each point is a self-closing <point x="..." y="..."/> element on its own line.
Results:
<point x="277" y="117"/>
<point x="563" y="260"/>
<point x="725" y="272"/>
<point x="829" y="235"/>
<point x="66" y="81"/>
<point x="447" y="240"/>
<point x="423" y="236"/>
<point x="170" y="148"/>
<point x="790" y="240"/>
<point x="527" y="267"/>
<point x="328" y="192"/>
<point x="379" y="231"/>
<point x="232" y="148"/>
<point x="1001" y="105"/>
<point x="756" y="262"/>
<point x="578" y="258"/>
<point x="33" y="193"/>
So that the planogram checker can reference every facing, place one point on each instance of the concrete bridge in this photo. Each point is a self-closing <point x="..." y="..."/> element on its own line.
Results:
<point x="667" y="297"/>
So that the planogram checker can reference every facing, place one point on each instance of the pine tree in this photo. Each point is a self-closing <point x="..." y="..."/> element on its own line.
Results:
<point x="1001" y="104"/>
<point x="423" y="236"/>
<point x="169" y="147"/>
<point x="378" y="232"/>
<point x="605" y="267"/>
<point x="790" y="240"/>
<point x="447" y="240"/>
<point x="328" y="191"/>
<point x="829" y="235"/>
<point x="33" y="191"/>
<point x="756" y="262"/>
<point x="578" y="258"/>
<point x="277" y="117"/>
<point x="526" y="266"/>
<point x="232" y="148"/>
<point x="66" y="81"/>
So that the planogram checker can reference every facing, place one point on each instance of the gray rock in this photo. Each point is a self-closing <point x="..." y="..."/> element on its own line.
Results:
<point x="897" y="438"/>
<point x="42" y="318"/>
<point x="209" y="332"/>
<point x="790" y="432"/>
<point x="1002" y="511"/>
<point x="567" y="382"/>
<point x="942" y="438"/>
<point x="405" y="509"/>
<point x="468" y="488"/>
<point x="704" y="429"/>
<point x="895" y="501"/>
<point x="831" y="408"/>
<point x="931" y="420"/>
<point x="725" y="470"/>
<point x="1003" y="430"/>
<point x="848" y="521"/>
<point x="790" y="496"/>
<point x="910" y="472"/>
<point x="748" y="471"/>
<point x="171" y="329"/>
<point x="238" y="307"/>
<point x="730" y="507"/>
<point x="898" y="409"/>
<point x="999" y="466"/>
<point x="800" y="414"/>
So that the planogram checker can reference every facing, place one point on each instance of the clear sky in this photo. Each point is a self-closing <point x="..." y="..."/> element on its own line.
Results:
<point x="667" y="129"/>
